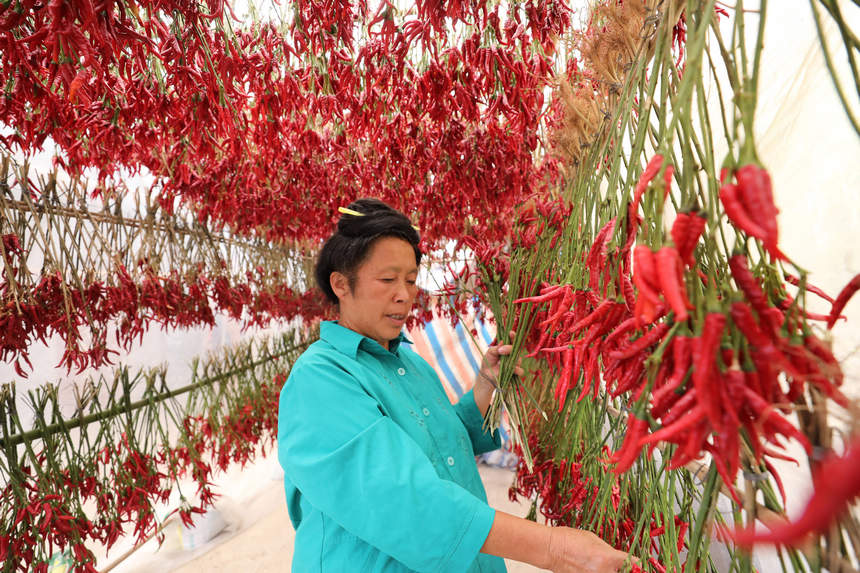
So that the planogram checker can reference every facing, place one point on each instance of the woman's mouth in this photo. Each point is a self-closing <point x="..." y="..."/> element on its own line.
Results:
<point x="397" y="318"/>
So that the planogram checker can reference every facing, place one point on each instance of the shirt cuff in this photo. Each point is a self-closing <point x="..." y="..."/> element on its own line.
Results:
<point x="472" y="419"/>
<point x="472" y="539"/>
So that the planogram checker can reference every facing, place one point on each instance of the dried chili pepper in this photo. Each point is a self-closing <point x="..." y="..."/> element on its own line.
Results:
<point x="836" y="485"/>
<point x="686" y="230"/>
<point x="623" y="458"/>
<point x="811" y="288"/>
<point x="642" y="343"/>
<point x="755" y="192"/>
<point x="842" y="299"/>
<point x="671" y="282"/>
<point x="705" y="349"/>
<point x="737" y="213"/>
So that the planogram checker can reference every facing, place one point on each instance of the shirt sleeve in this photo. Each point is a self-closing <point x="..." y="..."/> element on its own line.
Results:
<point x="358" y="467"/>
<point x="482" y="440"/>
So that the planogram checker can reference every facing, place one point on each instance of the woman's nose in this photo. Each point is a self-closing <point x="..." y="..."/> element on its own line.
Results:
<point x="402" y="292"/>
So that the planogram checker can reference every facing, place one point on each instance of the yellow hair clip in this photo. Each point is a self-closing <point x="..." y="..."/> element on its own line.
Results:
<point x="346" y="211"/>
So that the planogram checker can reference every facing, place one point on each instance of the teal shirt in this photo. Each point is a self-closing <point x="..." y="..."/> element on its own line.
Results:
<point x="379" y="467"/>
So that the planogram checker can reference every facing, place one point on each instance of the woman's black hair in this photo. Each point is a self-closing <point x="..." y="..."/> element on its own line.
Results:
<point x="344" y="251"/>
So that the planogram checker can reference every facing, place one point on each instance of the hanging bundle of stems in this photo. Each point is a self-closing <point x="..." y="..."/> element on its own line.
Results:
<point x="668" y="353"/>
<point x="74" y="479"/>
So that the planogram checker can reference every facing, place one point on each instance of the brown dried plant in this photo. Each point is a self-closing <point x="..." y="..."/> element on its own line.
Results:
<point x="613" y="39"/>
<point x="616" y="34"/>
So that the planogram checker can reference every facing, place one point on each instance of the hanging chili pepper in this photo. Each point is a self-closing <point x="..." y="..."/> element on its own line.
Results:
<point x="705" y="349"/>
<point x="755" y="192"/>
<point x="645" y="278"/>
<point x="836" y="485"/>
<point x="737" y="213"/>
<point x="650" y="172"/>
<point x="597" y="253"/>
<point x="671" y="280"/>
<point x="842" y="299"/>
<point x="686" y="230"/>
<point x="642" y="343"/>
<point x="623" y="458"/>
<point x="811" y="288"/>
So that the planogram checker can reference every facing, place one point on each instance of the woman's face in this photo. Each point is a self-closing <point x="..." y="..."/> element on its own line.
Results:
<point x="384" y="291"/>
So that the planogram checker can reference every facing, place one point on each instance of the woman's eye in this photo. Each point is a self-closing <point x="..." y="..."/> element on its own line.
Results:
<point x="388" y="280"/>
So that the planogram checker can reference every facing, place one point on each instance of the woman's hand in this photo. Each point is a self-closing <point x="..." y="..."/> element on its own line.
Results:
<point x="490" y="365"/>
<point x="577" y="551"/>
<point x="487" y="379"/>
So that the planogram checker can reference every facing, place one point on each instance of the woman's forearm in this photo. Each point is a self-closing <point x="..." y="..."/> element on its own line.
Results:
<point x="560" y="549"/>
<point x="483" y="393"/>
<point x="519" y="539"/>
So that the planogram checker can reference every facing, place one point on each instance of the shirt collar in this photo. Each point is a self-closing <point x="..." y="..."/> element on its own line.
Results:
<point x="348" y="341"/>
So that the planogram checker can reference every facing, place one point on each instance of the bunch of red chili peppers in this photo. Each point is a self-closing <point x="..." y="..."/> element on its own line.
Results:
<point x="44" y="509"/>
<point x="566" y="496"/>
<point x="128" y="309"/>
<point x="701" y="379"/>
<point x="243" y="126"/>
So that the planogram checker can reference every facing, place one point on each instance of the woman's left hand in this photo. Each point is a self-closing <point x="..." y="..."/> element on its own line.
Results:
<point x="490" y="366"/>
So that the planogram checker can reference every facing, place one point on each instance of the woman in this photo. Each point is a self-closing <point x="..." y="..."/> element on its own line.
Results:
<point x="379" y="467"/>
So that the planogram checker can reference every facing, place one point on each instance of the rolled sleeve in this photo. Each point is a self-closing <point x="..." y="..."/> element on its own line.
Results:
<point x="357" y="466"/>
<point x="482" y="440"/>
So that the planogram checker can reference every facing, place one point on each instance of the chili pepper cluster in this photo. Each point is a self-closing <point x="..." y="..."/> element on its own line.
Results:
<point x="711" y="380"/>
<point x="565" y="495"/>
<point x="244" y="125"/>
<point x="129" y="308"/>
<point x="46" y="508"/>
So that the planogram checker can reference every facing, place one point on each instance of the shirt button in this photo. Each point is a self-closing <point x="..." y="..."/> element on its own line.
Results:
<point x="426" y="412"/>
<point x="450" y="461"/>
<point x="401" y="371"/>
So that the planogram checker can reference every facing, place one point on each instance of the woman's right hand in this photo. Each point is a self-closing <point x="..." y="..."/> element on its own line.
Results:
<point x="577" y="551"/>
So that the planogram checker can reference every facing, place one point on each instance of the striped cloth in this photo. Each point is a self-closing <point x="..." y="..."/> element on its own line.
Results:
<point x="456" y="357"/>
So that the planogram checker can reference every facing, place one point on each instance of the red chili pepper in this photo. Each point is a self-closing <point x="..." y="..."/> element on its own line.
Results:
<point x="776" y="477"/>
<point x="832" y="368"/>
<point x="645" y="278"/>
<point x="671" y="282"/>
<point x="620" y="330"/>
<point x="727" y="477"/>
<point x="755" y="192"/>
<point x="666" y="433"/>
<point x="751" y="288"/>
<point x="686" y="230"/>
<point x="550" y="322"/>
<point x="769" y="417"/>
<point x="640" y="344"/>
<point x="666" y="395"/>
<point x="647" y="176"/>
<point x="737" y="213"/>
<point x="743" y="318"/>
<point x="837" y="484"/>
<point x="705" y="349"/>
<point x="624" y="457"/>
<point x="564" y="380"/>
<point x="810" y="288"/>
<point x="788" y="301"/>
<point x="842" y="299"/>
<point x="692" y="446"/>
<point x="597" y="254"/>
<point x="595" y="316"/>
<point x="550" y="294"/>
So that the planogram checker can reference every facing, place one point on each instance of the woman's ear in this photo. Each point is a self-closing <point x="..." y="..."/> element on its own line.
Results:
<point x="339" y="284"/>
